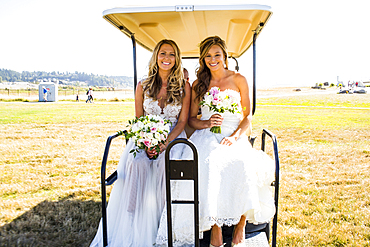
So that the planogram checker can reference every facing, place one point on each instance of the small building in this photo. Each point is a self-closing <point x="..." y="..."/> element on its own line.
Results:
<point x="51" y="92"/>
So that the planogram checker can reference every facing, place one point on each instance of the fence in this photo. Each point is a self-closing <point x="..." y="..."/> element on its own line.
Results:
<point x="33" y="93"/>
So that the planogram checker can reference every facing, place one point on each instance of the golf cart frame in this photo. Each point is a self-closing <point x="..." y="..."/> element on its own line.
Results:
<point x="148" y="25"/>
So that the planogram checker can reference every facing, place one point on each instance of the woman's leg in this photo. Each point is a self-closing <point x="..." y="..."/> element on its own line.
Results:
<point x="216" y="236"/>
<point x="239" y="231"/>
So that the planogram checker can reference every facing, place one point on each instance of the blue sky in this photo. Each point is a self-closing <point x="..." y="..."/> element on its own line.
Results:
<point x="303" y="43"/>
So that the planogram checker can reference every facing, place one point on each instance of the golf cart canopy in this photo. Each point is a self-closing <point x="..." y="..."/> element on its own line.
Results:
<point x="188" y="25"/>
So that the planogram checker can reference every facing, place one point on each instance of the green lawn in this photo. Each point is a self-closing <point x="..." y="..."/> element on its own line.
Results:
<point x="50" y="157"/>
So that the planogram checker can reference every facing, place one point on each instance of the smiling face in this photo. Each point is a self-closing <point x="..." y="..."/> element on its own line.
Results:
<point x="214" y="58"/>
<point x="166" y="58"/>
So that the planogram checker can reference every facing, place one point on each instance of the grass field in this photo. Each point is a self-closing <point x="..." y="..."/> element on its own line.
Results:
<point x="50" y="157"/>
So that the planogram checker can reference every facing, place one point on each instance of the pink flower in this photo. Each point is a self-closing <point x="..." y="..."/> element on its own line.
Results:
<point x="215" y="100"/>
<point x="147" y="143"/>
<point x="153" y="129"/>
<point x="214" y="91"/>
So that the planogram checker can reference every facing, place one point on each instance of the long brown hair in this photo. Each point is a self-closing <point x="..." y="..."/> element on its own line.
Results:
<point x="203" y="72"/>
<point x="175" y="84"/>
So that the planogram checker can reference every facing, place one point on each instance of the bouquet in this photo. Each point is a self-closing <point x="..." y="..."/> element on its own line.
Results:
<point x="148" y="132"/>
<point x="220" y="102"/>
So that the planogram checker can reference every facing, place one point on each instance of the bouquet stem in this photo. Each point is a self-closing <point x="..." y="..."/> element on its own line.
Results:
<point x="216" y="129"/>
<point x="154" y="157"/>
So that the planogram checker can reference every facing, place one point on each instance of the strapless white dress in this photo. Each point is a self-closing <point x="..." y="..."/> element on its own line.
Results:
<point x="138" y="196"/>
<point x="233" y="181"/>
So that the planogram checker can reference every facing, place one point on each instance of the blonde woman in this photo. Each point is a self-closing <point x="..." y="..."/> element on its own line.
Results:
<point x="138" y="196"/>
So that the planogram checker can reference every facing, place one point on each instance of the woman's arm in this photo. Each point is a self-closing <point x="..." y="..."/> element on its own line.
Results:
<point x="139" y="100"/>
<point x="194" y="122"/>
<point x="245" y="124"/>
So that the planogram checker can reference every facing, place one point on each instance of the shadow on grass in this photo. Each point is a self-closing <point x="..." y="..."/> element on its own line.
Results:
<point x="68" y="222"/>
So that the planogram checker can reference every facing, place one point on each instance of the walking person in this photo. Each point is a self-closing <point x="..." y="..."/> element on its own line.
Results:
<point x="45" y="93"/>
<point x="89" y="96"/>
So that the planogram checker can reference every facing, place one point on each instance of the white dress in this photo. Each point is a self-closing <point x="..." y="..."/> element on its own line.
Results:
<point x="138" y="196"/>
<point x="233" y="180"/>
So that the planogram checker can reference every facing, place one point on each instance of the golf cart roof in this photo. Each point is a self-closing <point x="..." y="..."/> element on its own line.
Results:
<point x="187" y="25"/>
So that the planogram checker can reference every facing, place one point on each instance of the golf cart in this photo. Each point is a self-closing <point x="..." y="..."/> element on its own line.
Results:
<point x="187" y="25"/>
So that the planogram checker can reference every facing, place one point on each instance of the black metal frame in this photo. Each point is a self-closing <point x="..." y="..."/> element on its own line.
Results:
<point x="182" y="170"/>
<point x="104" y="183"/>
<point x="277" y="179"/>
<point x="254" y="74"/>
<point x="134" y="57"/>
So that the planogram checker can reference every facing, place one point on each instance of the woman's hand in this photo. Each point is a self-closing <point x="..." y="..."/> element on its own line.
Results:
<point x="162" y="147"/>
<point x="215" y="120"/>
<point x="228" y="141"/>
<point x="151" y="152"/>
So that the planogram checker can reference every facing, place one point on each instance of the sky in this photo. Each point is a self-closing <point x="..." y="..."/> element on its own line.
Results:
<point x="303" y="43"/>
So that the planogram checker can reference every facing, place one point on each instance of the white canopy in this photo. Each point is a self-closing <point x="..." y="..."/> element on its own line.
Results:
<point x="187" y="25"/>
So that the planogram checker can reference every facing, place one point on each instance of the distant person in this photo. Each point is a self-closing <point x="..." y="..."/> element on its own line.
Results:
<point x="89" y="96"/>
<point x="186" y="75"/>
<point x="77" y="99"/>
<point x="45" y="94"/>
<point x="188" y="129"/>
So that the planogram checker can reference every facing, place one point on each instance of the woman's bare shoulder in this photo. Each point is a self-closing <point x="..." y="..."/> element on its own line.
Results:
<point x="239" y="77"/>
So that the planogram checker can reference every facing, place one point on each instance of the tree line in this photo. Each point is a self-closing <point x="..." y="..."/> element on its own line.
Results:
<point x="74" y="78"/>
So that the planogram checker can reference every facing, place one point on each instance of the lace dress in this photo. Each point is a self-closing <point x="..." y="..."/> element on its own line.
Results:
<point x="138" y="196"/>
<point x="233" y="180"/>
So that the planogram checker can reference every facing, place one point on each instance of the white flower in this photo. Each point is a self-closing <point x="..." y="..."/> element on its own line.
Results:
<point x="154" y="142"/>
<point x="135" y="128"/>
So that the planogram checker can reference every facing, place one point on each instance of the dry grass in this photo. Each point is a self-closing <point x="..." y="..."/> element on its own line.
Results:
<point x="50" y="170"/>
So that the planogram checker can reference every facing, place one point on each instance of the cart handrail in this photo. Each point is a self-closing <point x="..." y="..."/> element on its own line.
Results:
<point x="104" y="182"/>
<point x="277" y="178"/>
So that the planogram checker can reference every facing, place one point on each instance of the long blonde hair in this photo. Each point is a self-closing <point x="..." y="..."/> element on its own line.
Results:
<point x="175" y="84"/>
<point x="203" y="72"/>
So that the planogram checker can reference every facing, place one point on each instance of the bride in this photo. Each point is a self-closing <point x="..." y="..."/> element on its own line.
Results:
<point x="138" y="196"/>
<point x="234" y="178"/>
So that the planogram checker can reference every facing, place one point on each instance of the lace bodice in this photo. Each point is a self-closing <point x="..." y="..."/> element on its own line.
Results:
<point x="170" y="111"/>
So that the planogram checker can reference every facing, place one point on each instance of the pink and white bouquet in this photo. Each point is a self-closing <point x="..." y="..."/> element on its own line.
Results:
<point x="220" y="102"/>
<point x="148" y="132"/>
